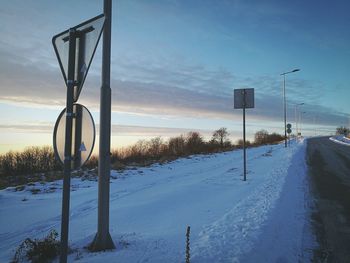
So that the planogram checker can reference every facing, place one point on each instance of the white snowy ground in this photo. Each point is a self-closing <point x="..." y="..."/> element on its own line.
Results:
<point x="264" y="219"/>
<point x="341" y="139"/>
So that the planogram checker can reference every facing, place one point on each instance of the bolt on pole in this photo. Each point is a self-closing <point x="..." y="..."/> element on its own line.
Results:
<point x="103" y="239"/>
<point x="68" y="148"/>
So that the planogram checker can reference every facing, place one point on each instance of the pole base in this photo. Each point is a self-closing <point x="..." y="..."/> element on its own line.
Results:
<point x="101" y="244"/>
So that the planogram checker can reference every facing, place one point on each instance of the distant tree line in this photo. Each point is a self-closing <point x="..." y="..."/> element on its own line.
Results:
<point x="41" y="159"/>
<point x="157" y="149"/>
<point x="342" y="130"/>
<point x="263" y="137"/>
<point x="31" y="160"/>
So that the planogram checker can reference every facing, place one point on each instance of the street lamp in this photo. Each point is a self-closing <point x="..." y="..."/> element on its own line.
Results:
<point x="284" y="103"/>
<point x="300" y="121"/>
<point x="296" y="115"/>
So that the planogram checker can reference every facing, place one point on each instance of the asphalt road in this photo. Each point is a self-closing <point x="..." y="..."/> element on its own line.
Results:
<point x="329" y="170"/>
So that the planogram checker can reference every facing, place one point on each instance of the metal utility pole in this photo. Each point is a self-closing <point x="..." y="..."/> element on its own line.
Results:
<point x="303" y="112"/>
<point x="103" y="239"/>
<point x="244" y="147"/>
<point x="285" y="104"/>
<point x="68" y="148"/>
<point x="296" y="113"/>
<point x="285" y="110"/>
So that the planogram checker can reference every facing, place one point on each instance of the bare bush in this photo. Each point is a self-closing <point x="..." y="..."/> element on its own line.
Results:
<point x="177" y="146"/>
<point x="155" y="147"/>
<point x="31" y="160"/>
<point x="342" y="130"/>
<point x="194" y="142"/>
<point x="36" y="250"/>
<point x="220" y="136"/>
<point x="263" y="137"/>
<point x="239" y="143"/>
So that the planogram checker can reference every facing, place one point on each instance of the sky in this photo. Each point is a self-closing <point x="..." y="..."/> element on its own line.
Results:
<point x="175" y="64"/>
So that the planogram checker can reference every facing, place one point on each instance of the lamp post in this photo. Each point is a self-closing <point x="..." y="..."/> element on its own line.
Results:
<point x="284" y="103"/>
<point x="103" y="239"/>
<point x="296" y="115"/>
<point x="301" y="116"/>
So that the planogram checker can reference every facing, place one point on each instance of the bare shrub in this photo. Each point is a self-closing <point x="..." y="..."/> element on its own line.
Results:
<point x="31" y="160"/>
<point x="220" y="136"/>
<point x="38" y="251"/>
<point x="155" y="147"/>
<point x="177" y="146"/>
<point x="239" y="143"/>
<point x="263" y="137"/>
<point x="194" y="142"/>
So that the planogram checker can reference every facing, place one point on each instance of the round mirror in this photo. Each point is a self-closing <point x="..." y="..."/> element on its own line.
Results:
<point x="83" y="136"/>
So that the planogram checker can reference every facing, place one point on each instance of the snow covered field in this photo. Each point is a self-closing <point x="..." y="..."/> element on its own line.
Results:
<point x="264" y="219"/>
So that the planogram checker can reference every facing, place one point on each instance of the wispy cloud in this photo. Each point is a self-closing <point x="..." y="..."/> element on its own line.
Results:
<point x="117" y="130"/>
<point x="161" y="89"/>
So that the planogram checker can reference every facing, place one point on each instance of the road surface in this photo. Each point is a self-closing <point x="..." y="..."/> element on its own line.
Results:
<point x="329" y="170"/>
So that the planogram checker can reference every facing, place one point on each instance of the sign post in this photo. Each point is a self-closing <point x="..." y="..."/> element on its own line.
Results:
<point x="68" y="148"/>
<point x="74" y="49"/>
<point x="244" y="99"/>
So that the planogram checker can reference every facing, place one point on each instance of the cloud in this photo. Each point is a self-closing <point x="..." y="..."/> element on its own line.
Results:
<point x="25" y="128"/>
<point x="161" y="88"/>
<point x="116" y="130"/>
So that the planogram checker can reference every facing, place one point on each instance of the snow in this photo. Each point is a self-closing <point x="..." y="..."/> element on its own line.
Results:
<point x="341" y="139"/>
<point x="264" y="219"/>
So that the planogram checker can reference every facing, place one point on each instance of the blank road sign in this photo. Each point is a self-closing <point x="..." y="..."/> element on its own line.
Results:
<point x="87" y="37"/>
<point x="243" y="98"/>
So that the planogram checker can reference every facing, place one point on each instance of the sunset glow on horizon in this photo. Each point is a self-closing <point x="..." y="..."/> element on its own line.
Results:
<point x="175" y="65"/>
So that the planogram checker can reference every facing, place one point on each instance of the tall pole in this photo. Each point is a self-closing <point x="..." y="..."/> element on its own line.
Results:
<point x="244" y="149"/>
<point x="244" y="146"/>
<point x="315" y="124"/>
<point x="301" y="120"/>
<point x="285" y="110"/>
<point x="285" y="104"/>
<point x="295" y="118"/>
<point x="296" y="114"/>
<point x="68" y="148"/>
<point x="103" y="239"/>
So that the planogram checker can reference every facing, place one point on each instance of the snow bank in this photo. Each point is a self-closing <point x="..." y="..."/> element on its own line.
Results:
<point x="341" y="140"/>
<point x="150" y="209"/>
<point x="267" y="223"/>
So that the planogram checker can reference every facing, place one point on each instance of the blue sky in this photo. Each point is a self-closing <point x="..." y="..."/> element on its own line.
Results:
<point x="175" y="65"/>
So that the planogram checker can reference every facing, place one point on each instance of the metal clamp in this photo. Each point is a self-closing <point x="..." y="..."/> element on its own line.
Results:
<point x="68" y="158"/>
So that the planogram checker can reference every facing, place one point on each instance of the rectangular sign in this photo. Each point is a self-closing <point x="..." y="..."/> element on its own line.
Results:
<point x="243" y="98"/>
